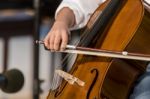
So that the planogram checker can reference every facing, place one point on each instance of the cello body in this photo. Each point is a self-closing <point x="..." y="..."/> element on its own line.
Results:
<point x="122" y="75"/>
<point x="104" y="77"/>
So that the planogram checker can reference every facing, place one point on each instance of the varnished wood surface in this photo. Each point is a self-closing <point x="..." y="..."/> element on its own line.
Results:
<point x="119" y="79"/>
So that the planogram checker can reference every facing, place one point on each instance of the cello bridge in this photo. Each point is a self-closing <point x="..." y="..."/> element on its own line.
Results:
<point x="69" y="78"/>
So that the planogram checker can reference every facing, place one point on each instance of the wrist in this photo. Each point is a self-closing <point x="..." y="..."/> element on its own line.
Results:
<point x="61" y="23"/>
<point x="66" y="16"/>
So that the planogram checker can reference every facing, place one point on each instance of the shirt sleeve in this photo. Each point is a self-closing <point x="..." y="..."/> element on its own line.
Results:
<point x="82" y="10"/>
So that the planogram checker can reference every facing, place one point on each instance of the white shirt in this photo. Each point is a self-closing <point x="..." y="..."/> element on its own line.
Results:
<point x="82" y="10"/>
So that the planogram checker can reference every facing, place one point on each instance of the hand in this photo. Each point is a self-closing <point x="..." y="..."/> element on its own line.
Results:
<point x="57" y="37"/>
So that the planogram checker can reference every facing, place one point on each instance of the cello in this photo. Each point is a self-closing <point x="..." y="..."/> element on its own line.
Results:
<point x="116" y="28"/>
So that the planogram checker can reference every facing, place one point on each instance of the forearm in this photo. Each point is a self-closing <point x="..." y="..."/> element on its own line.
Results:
<point x="66" y="16"/>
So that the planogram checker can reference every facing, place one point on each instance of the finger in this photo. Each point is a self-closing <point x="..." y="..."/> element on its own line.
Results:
<point x="51" y="42"/>
<point x="46" y="42"/>
<point x="57" y="41"/>
<point x="64" y="41"/>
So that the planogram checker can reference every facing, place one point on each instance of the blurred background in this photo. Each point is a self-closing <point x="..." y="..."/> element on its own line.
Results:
<point x="21" y="23"/>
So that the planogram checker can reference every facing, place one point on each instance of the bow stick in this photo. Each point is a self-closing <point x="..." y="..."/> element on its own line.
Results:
<point x="103" y="53"/>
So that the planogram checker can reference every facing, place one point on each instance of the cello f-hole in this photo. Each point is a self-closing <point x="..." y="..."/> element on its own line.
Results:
<point x="93" y="83"/>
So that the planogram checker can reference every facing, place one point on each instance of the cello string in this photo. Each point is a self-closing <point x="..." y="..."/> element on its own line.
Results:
<point x="68" y="57"/>
<point x="64" y="62"/>
<point x="83" y="36"/>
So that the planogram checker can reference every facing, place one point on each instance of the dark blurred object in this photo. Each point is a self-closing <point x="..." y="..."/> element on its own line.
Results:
<point x="49" y="7"/>
<point x="15" y="22"/>
<point x="15" y="4"/>
<point x="11" y="81"/>
<point x="18" y="15"/>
